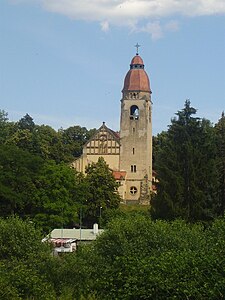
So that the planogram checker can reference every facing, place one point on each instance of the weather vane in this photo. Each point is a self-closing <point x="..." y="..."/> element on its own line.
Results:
<point x="137" y="46"/>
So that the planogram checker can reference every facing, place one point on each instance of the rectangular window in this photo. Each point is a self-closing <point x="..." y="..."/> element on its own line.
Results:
<point x="133" y="150"/>
<point x="133" y="168"/>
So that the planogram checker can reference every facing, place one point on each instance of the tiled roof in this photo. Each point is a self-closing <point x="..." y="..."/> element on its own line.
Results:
<point x="137" y="60"/>
<point x="119" y="175"/>
<point x="136" y="78"/>
<point x="114" y="133"/>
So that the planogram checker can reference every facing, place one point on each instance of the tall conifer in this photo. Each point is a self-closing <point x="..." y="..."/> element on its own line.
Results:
<point x="186" y="169"/>
<point x="220" y="133"/>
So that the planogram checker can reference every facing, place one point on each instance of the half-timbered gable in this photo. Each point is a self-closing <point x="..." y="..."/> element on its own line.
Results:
<point x="105" y="143"/>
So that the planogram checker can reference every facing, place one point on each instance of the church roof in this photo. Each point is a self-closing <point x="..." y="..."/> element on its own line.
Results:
<point x="112" y="132"/>
<point x="115" y="134"/>
<point x="136" y="78"/>
<point x="137" y="60"/>
<point x="119" y="175"/>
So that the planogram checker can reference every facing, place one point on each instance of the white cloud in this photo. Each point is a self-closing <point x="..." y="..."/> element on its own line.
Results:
<point x="104" y="26"/>
<point x="172" y="26"/>
<point x="135" y="9"/>
<point x="132" y="12"/>
<point x="157" y="30"/>
<point x="154" y="28"/>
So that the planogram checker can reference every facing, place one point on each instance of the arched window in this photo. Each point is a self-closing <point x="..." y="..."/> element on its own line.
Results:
<point x="134" y="112"/>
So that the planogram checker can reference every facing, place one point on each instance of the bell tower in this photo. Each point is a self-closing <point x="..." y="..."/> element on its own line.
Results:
<point x="136" y="133"/>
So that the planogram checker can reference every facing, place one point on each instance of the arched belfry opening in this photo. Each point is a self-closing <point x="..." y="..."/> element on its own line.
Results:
<point x="134" y="112"/>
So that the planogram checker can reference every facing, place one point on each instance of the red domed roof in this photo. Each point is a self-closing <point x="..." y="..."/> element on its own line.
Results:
<point x="136" y="78"/>
<point x="137" y="60"/>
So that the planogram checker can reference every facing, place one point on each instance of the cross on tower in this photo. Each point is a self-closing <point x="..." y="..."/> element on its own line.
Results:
<point x="137" y="46"/>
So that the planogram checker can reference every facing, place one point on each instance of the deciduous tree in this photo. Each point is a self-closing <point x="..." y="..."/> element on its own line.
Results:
<point x="73" y="139"/>
<point x="102" y="190"/>
<point x="24" y="262"/>
<point x="137" y="258"/>
<point x="58" y="196"/>
<point x="19" y="171"/>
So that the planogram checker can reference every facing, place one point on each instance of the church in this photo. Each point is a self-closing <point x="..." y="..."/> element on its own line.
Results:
<point x="128" y="152"/>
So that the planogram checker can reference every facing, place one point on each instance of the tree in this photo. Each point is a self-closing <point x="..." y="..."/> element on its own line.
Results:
<point x="137" y="258"/>
<point x="26" y="123"/>
<point x="156" y="144"/>
<point x="5" y="127"/>
<point x="48" y="143"/>
<point x="186" y="170"/>
<point x="73" y="139"/>
<point x="63" y="145"/>
<point x="47" y="192"/>
<point x="19" y="171"/>
<point x="22" y="138"/>
<point x="102" y="191"/>
<point x="220" y="134"/>
<point x="24" y="262"/>
<point x="3" y="116"/>
<point x="58" y="196"/>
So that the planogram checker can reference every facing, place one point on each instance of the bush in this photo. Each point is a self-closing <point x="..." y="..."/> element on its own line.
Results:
<point x="137" y="258"/>
<point x="23" y="261"/>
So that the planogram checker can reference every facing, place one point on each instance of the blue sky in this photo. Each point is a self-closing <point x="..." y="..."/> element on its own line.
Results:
<point x="64" y="61"/>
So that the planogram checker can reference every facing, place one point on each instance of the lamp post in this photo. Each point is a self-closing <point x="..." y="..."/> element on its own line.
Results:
<point x="62" y="223"/>
<point x="100" y="215"/>
<point x="80" y="221"/>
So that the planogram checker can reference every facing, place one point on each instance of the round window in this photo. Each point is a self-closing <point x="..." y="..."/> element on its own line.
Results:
<point x="133" y="190"/>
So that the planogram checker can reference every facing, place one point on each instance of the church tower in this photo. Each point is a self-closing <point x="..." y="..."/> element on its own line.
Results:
<point x="136" y="133"/>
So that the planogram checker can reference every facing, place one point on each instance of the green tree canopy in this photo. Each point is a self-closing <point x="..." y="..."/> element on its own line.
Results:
<point x="48" y="143"/>
<point x="19" y="171"/>
<point x="63" y="145"/>
<point x="186" y="170"/>
<point x="43" y="190"/>
<point x="26" y="122"/>
<point x="5" y="127"/>
<point x="58" y="195"/>
<point x="136" y="258"/>
<point x="73" y="139"/>
<point x="24" y="262"/>
<point x="220" y="138"/>
<point x="102" y="191"/>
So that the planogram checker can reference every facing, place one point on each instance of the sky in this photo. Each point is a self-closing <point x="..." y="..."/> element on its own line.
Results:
<point x="64" y="61"/>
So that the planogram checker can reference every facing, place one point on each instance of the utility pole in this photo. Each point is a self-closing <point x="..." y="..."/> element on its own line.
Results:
<point x="100" y="215"/>
<point x="80" y="221"/>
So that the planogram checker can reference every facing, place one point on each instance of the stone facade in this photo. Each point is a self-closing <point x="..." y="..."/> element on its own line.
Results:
<point x="129" y="152"/>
